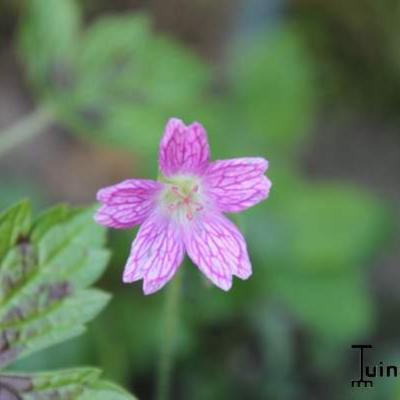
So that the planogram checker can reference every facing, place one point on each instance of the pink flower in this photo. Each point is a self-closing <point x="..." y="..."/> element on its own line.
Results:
<point x="183" y="211"/>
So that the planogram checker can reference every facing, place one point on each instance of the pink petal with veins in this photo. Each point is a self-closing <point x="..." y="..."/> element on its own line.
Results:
<point x="217" y="247"/>
<point x="127" y="204"/>
<point x="238" y="183"/>
<point x="156" y="253"/>
<point x="183" y="149"/>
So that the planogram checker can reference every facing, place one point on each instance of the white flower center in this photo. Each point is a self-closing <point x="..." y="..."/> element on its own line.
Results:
<point x="182" y="197"/>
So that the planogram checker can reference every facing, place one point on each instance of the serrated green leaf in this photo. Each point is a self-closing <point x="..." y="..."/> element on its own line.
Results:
<point x="48" y="39"/>
<point x="55" y="316"/>
<point x="65" y="248"/>
<point x="65" y="384"/>
<point x="78" y="229"/>
<point x="43" y="298"/>
<point x="62" y="254"/>
<point x="48" y="219"/>
<point x="14" y="223"/>
<point x="103" y="390"/>
<point x="70" y="384"/>
<point x="42" y="276"/>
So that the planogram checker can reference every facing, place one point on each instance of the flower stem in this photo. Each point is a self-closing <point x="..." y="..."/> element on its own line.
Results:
<point x="25" y="129"/>
<point x="171" y="313"/>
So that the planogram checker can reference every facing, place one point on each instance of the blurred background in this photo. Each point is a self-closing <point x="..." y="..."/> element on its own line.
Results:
<point x="314" y="86"/>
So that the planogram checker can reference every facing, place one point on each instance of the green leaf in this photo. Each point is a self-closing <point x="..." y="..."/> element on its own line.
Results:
<point x="65" y="248"/>
<point x="47" y="220"/>
<point x="41" y="282"/>
<point x="42" y="277"/>
<point x="47" y="40"/>
<point x="103" y="390"/>
<point x="71" y="384"/>
<point x="55" y="316"/>
<point x="14" y="224"/>
<point x="45" y="270"/>
<point x="66" y="252"/>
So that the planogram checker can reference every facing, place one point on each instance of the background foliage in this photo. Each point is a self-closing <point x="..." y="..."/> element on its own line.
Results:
<point x="322" y="246"/>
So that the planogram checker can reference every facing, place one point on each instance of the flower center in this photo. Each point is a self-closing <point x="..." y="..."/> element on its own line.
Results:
<point x="182" y="197"/>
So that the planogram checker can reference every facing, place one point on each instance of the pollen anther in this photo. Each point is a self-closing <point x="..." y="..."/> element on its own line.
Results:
<point x="183" y="199"/>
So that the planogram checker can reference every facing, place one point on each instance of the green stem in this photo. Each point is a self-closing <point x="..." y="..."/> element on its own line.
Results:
<point x="25" y="129"/>
<point x="171" y="315"/>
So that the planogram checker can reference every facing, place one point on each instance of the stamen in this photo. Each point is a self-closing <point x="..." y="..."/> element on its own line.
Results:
<point x="184" y="199"/>
<point x="176" y="191"/>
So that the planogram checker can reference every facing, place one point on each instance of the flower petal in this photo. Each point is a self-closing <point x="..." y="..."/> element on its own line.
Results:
<point x="237" y="184"/>
<point x="183" y="149"/>
<point x="127" y="204"/>
<point x="217" y="247"/>
<point x="156" y="253"/>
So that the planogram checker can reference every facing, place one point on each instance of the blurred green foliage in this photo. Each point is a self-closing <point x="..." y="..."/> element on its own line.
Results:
<point x="274" y="103"/>
<point x="49" y="35"/>
<point x="113" y="81"/>
<point x="317" y="244"/>
<point x="311" y="243"/>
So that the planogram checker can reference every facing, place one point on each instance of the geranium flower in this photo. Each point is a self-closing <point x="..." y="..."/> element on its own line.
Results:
<point x="183" y="210"/>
